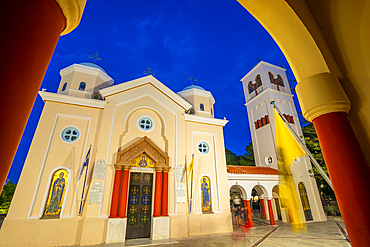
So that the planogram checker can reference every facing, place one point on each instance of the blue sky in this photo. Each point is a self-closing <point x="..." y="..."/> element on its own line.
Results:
<point x="217" y="41"/>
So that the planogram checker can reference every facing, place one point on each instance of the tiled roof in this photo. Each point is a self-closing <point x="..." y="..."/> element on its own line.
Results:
<point x="251" y="170"/>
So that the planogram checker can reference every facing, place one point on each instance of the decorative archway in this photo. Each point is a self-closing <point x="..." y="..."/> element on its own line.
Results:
<point x="143" y="147"/>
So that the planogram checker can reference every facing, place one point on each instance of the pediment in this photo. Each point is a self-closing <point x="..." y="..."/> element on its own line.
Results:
<point x="144" y="145"/>
<point x="110" y="91"/>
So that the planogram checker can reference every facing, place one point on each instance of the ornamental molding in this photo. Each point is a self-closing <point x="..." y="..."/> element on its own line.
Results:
<point x="87" y="70"/>
<point x="144" y="145"/>
<point x="205" y="120"/>
<point x="67" y="99"/>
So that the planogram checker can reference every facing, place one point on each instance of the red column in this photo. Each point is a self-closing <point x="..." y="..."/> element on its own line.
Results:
<point x="250" y="219"/>
<point x="271" y="213"/>
<point x="115" y="195"/>
<point x="124" y="192"/>
<point x="165" y="193"/>
<point x="349" y="173"/>
<point x="263" y="209"/>
<point x="30" y="30"/>
<point x="157" y="193"/>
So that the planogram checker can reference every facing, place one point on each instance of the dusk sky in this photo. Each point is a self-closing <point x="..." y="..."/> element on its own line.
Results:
<point x="217" y="41"/>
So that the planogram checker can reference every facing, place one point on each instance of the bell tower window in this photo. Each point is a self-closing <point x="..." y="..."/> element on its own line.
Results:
<point x="82" y="86"/>
<point x="64" y="86"/>
<point x="201" y="107"/>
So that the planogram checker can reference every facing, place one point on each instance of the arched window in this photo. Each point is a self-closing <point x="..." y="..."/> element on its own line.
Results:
<point x="82" y="86"/>
<point x="211" y="111"/>
<point x="56" y="194"/>
<point x="205" y="187"/>
<point x="272" y="79"/>
<point x="201" y="107"/>
<point x="280" y="81"/>
<point x="250" y="87"/>
<point x="305" y="203"/>
<point x="258" y="81"/>
<point x="64" y="86"/>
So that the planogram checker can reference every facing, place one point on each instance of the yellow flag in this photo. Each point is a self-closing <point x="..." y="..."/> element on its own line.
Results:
<point x="190" y="168"/>
<point x="288" y="149"/>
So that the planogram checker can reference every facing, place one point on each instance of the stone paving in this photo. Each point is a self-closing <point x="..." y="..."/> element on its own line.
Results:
<point x="328" y="233"/>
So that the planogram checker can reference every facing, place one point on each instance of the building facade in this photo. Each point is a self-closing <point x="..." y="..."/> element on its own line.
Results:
<point x="109" y="162"/>
<point x="263" y="84"/>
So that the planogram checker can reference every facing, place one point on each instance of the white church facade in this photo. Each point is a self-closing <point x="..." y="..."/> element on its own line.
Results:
<point x="108" y="163"/>
<point x="263" y="84"/>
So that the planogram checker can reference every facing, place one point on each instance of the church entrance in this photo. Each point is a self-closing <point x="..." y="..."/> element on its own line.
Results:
<point x="139" y="210"/>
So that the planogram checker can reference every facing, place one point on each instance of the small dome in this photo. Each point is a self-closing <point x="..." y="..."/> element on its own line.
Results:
<point x="93" y="65"/>
<point x="193" y="86"/>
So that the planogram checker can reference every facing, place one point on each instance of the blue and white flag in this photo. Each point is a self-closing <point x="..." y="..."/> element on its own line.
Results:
<point x="86" y="163"/>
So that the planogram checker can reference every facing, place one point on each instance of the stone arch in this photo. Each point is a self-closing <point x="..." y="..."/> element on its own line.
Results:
<point x="241" y="189"/>
<point x="144" y="145"/>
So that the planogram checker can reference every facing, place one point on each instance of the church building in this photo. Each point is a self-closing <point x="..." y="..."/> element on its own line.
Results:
<point x="263" y="84"/>
<point x="109" y="163"/>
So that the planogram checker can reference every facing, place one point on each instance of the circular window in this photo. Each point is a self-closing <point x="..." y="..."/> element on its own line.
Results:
<point x="145" y="123"/>
<point x="203" y="147"/>
<point x="268" y="160"/>
<point x="70" y="134"/>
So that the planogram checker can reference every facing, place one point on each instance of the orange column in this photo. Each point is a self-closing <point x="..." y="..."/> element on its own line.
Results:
<point x="263" y="209"/>
<point x="30" y="31"/>
<point x="271" y="214"/>
<point x="349" y="173"/>
<point x="115" y="194"/>
<point x="165" y="193"/>
<point x="157" y="192"/>
<point x="124" y="192"/>
<point x="250" y="219"/>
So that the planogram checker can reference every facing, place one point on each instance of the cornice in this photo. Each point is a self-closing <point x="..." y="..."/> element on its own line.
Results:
<point x="87" y="70"/>
<point x="264" y="92"/>
<point x="67" y="99"/>
<point x="205" y="120"/>
<point x="195" y="91"/>
<point x="259" y="65"/>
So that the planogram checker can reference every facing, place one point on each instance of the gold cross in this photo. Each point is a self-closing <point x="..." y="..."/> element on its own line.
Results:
<point x="136" y="177"/>
<point x="132" y="219"/>
<point x="146" y="191"/>
<point x="145" y="209"/>
<point x="133" y="209"/>
<point x="133" y="200"/>
<point x="146" y="199"/>
<point x="144" y="219"/>
<point x="134" y="190"/>
<point x="147" y="178"/>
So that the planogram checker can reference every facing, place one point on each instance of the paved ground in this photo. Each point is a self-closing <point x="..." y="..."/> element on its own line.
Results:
<point x="328" y="233"/>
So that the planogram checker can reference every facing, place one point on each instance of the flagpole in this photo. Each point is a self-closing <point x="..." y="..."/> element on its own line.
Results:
<point x="314" y="161"/>
<point x="83" y="188"/>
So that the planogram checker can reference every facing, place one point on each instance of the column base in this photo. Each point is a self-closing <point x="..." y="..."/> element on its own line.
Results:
<point x="160" y="227"/>
<point x="116" y="230"/>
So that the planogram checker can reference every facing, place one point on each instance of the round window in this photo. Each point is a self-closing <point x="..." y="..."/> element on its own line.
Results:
<point x="203" y="147"/>
<point x="70" y="134"/>
<point x="268" y="160"/>
<point x="145" y="123"/>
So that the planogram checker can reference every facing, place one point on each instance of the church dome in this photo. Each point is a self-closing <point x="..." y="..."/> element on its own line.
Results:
<point x="93" y="65"/>
<point x="193" y="86"/>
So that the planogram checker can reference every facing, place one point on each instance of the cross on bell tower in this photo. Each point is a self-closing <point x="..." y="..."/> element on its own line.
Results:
<point x="192" y="79"/>
<point x="95" y="57"/>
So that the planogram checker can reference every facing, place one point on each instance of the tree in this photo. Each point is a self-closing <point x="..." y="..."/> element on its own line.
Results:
<point x="312" y="143"/>
<point x="241" y="160"/>
<point x="7" y="196"/>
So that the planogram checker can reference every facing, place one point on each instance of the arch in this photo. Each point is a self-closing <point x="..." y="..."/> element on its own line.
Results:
<point x="241" y="190"/>
<point x="261" y="190"/>
<point x="258" y="81"/>
<point x="280" y="81"/>
<point x="201" y="107"/>
<point x="272" y="78"/>
<point x="305" y="202"/>
<point x="64" y="86"/>
<point x="55" y="195"/>
<point x="250" y="87"/>
<point x="82" y="86"/>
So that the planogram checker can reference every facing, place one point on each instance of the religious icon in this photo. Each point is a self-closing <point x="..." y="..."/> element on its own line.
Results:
<point x="56" y="193"/>
<point x="206" y="201"/>
<point x="143" y="160"/>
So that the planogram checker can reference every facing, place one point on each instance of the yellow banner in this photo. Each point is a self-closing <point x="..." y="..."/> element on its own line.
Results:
<point x="190" y="168"/>
<point x="288" y="150"/>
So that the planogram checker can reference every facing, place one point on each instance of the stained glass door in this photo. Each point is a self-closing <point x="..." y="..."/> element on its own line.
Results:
<point x="139" y="209"/>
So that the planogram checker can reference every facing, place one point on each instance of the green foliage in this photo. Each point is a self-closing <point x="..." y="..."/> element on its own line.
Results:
<point x="331" y="210"/>
<point x="7" y="196"/>
<point x="241" y="160"/>
<point x="312" y="143"/>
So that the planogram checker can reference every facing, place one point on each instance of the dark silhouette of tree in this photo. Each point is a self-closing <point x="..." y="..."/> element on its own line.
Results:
<point x="7" y="196"/>
<point x="241" y="160"/>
